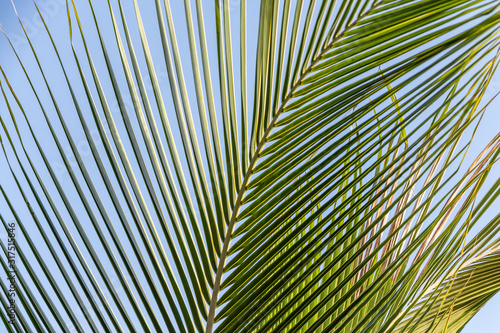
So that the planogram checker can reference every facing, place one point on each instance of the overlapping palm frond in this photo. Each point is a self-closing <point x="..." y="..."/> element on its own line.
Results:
<point x="321" y="188"/>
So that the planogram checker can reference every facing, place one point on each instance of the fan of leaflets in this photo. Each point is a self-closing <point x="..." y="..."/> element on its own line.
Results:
<point x="299" y="169"/>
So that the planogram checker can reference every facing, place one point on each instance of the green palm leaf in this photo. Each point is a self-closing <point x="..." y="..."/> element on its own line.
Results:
<point x="320" y="186"/>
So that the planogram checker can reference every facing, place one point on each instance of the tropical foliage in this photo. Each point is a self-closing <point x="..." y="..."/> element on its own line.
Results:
<point x="309" y="179"/>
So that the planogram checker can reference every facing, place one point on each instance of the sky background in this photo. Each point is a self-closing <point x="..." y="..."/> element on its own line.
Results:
<point x="488" y="319"/>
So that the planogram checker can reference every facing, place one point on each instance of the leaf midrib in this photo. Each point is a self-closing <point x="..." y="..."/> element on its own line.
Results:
<point x="253" y="161"/>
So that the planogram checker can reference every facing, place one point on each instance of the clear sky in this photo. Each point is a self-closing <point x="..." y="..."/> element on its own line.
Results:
<point x="488" y="319"/>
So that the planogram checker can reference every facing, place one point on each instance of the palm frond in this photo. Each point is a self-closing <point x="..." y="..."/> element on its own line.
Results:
<point x="317" y="183"/>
